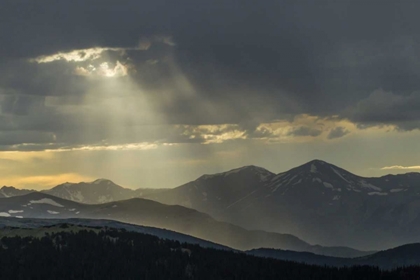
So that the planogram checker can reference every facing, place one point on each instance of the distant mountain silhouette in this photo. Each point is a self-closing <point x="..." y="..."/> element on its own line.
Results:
<point x="317" y="201"/>
<point x="33" y="223"/>
<point x="406" y="255"/>
<point x="69" y="251"/>
<point x="98" y="191"/>
<point x="150" y="213"/>
<point x="11" y="191"/>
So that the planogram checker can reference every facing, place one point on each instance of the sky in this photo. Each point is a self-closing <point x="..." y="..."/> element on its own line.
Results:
<point x="156" y="93"/>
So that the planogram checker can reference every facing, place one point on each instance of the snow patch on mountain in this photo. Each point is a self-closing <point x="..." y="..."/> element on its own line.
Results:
<point x="4" y="214"/>
<point x="104" y="199"/>
<point x="328" y="185"/>
<point x="278" y="177"/>
<point x="78" y="196"/>
<point x="15" y="211"/>
<point x="276" y="187"/>
<point x="3" y="193"/>
<point x="316" y="180"/>
<point x="45" y="201"/>
<point x="367" y="185"/>
<point x="377" y="193"/>
<point x="291" y="179"/>
<point x="339" y="174"/>
<point x="53" y="212"/>
<point x="313" y="168"/>
<point x="241" y="199"/>
<point x="298" y="182"/>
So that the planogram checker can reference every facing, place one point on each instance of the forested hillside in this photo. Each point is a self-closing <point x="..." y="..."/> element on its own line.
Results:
<point x="119" y="254"/>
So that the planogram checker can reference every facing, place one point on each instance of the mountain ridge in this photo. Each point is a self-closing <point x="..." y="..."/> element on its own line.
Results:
<point x="405" y="255"/>
<point x="154" y="214"/>
<point x="321" y="202"/>
<point x="318" y="201"/>
<point x="224" y="173"/>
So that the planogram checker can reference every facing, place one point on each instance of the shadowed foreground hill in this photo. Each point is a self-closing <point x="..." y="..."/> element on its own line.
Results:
<point x="117" y="254"/>
<point x="35" y="227"/>
<point x="151" y="213"/>
<point x="406" y="255"/>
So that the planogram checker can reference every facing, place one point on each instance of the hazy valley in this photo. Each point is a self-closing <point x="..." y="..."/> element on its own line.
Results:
<point x="318" y="202"/>
<point x="316" y="213"/>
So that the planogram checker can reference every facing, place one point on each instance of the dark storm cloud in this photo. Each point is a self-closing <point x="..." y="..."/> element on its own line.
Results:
<point x="305" y="131"/>
<point x="383" y="107"/>
<point x="237" y="62"/>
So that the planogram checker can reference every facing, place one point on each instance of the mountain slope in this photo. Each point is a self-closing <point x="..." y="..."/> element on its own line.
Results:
<point x="317" y="201"/>
<point x="389" y="259"/>
<point x="406" y="255"/>
<point x="150" y="213"/>
<point x="217" y="193"/>
<point x="25" y="223"/>
<point x="107" y="253"/>
<point x="11" y="191"/>
<point x="98" y="191"/>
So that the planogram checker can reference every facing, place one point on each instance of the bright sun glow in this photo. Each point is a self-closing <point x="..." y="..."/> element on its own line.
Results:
<point x="104" y="69"/>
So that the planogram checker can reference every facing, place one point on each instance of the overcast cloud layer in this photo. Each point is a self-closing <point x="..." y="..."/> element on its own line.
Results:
<point x="139" y="75"/>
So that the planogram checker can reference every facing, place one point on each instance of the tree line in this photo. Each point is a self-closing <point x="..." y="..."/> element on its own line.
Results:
<point x="119" y="254"/>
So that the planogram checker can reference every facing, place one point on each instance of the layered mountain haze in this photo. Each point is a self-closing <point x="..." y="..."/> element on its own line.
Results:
<point x="406" y="255"/>
<point x="98" y="191"/>
<point x="24" y="227"/>
<point x="388" y="259"/>
<point x="317" y="201"/>
<point x="150" y="213"/>
<point x="6" y="191"/>
<point x="217" y="193"/>
<point x="116" y="253"/>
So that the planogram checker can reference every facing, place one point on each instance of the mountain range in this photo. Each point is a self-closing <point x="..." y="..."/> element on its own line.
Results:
<point x="70" y="251"/>
<point x="317" y="201"/>
<point x="406" y="255"/>
<point x="11" y="191"/>
<point x="401" y="256"/>
<point x="98" y="191"/>
<point x="154" y="214"/>
<point x="25" y="226"/>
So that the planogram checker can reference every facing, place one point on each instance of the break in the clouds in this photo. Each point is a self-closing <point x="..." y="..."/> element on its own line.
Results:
<point x="142" y="75"/>
<point x="399" y="167"/>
